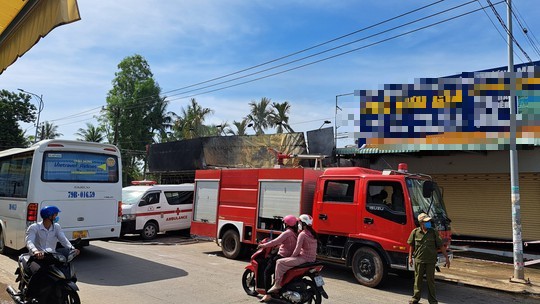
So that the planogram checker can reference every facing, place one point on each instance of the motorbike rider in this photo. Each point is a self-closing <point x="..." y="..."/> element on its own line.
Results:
<point x="42" y="237"/>
<point x="287" y="242"/>
<point x="304" y="252"/>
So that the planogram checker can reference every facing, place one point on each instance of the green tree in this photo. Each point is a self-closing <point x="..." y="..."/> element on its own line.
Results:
<point x="280" y="117"/>
<point x="241" y="128"/>
<point x="260" y="115"/>
<point x="135" y="112"/>
<point x="14" y="108"/>
<point x="48" y="130"/>
<point x="190" y="124"/>
<point x="91" y="133"/>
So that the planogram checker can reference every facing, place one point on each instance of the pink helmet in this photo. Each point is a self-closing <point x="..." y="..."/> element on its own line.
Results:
<point x="290" y="220"/>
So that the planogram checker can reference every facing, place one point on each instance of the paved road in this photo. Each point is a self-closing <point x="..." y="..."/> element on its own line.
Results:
<point x="177" y="270"/>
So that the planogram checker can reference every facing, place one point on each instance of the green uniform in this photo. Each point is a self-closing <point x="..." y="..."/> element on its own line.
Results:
<point x="425" y="247"/>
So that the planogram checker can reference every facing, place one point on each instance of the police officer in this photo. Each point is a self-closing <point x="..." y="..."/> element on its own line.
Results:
<point x="424" y="242"/>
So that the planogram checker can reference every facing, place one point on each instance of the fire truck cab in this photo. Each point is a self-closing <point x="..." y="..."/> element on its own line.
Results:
<point x="363" y="217"/>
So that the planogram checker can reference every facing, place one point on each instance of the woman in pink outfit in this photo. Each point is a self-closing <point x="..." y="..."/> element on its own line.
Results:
<point x="286" y="242"/>
<point x="305" y="251"/>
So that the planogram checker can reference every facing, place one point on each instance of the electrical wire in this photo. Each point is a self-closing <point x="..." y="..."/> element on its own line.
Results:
<point x="497" y="28"/>
<point x="524" y="30"/>
<point x="297" y="52"/>
<point x="507" y="30"/>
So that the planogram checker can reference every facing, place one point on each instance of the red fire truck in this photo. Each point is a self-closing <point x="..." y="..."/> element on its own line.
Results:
<point x="363" y="216"/>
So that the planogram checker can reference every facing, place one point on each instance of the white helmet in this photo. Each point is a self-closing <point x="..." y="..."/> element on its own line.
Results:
<point x="306" y="219"/>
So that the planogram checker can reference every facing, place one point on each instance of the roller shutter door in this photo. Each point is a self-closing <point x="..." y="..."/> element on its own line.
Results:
<point x="479" y="204"/>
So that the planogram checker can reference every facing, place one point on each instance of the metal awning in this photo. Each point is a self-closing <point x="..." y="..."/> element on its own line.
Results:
<point x="24" y="22"/>
<point x="356" y="150"/>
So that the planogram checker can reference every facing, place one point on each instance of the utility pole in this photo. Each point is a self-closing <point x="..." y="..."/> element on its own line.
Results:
<point x="335" y="118"/>
<point x="39" y="109"/>
<point x="519" y="275"/>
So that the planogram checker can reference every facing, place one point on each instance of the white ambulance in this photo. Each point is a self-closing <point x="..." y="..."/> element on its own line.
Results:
<point x="149" y="208"/>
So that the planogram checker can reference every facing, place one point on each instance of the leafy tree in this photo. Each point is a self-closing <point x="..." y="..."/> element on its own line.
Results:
<point x="280" y="117"/>
<point x="91" y="133"/>
<point x="135" y="112"/>
<point x="14" y="108"/>
<point x="190" y="124"/>
<point x="260" y="115"/>
<point x="48" y="130"/>
<point x="241" y="127"/>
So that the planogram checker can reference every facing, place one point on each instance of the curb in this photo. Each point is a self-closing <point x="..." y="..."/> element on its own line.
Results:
<point x="501" y="285"/>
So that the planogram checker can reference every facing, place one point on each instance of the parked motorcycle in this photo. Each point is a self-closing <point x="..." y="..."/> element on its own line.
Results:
<point x="301" y="284"/>
<point x="57" y="283"/>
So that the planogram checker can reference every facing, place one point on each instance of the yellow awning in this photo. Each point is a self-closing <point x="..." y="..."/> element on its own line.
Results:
<point x="24" y="22"/>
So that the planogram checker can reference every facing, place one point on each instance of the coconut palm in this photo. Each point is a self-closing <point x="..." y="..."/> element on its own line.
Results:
<point x="48" y="130"/>
<point x="91" y="133"/>
<point x="280" y="117"/>
<point x="260" y="115"/>
<point x="190" y="124"/>
<point x="241" y="128"/>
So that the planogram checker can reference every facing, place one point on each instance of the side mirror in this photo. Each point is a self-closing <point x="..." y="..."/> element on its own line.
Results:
<point x="142" y="203"/>
<point x="427" y="189"/>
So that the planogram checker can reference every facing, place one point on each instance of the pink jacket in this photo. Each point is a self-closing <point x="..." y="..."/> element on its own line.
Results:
<point x="306" y="246"/>
<point x="286" y="239"/>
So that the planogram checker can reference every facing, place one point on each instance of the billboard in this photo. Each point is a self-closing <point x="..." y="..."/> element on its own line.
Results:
<point x="469" y="111"/>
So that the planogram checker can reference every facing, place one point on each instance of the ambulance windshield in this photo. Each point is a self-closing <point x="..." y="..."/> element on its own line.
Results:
<point x="432" y="205"/>
<point x="132" y="196"/>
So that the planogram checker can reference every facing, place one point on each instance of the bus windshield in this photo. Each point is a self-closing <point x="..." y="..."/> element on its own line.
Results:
<point x="132" y="196"/>
<point x="433" y="205"/>
<point x="79" y="167"/>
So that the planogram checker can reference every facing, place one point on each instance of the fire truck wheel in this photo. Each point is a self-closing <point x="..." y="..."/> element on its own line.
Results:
<point x="368" y="267"/>
<point x="149" y="231"/>
<point x="230" y="244"/>
<point x="248" y="282"/>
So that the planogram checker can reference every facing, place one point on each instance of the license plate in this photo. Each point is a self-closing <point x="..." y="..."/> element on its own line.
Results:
<point x="80" y="234"/>
<point x="319" y="281"/>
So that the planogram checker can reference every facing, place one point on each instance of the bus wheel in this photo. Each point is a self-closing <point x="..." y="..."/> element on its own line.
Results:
<point x="149" y="231"/>
<point x="230" y="244"/>
<point x="368" y="267"/>
<point x="2" y="242"/>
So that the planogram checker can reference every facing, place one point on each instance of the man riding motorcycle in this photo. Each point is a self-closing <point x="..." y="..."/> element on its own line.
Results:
<point x="42" y="237"/>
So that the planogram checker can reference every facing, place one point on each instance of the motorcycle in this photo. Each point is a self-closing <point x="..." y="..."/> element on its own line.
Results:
<point x="57" y="283"/>
<point x="301" y="284"/>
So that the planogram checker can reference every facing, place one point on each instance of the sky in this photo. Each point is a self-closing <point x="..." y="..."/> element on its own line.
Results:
<point x="192" y="41"/>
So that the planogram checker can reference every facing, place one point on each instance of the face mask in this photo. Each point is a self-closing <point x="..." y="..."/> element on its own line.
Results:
<point x="427" y="225"/>
<point x="299" y="226"/>
<point x="56" y="219"/>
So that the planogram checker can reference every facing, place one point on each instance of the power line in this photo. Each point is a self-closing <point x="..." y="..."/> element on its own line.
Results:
<point x="337" y="55"/>
<point x="294" y="53"/>
<point x="525" y="31"/>
<point x="497" y="28"/>
<point x="507" y="30"/>
<point x="327" y="58"/>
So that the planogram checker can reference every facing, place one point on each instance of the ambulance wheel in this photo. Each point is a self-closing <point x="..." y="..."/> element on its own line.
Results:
<point x="150" y="230"/>
<point x="230" y="244"/>
<point x="248" y="282"/>
<point x="368" y="267"/>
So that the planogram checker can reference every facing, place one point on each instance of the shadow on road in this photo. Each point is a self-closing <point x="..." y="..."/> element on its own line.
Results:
<point x="99" y="266"/>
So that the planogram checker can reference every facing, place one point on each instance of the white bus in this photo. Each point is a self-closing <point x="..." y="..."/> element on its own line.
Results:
<point x="81" y="178"/>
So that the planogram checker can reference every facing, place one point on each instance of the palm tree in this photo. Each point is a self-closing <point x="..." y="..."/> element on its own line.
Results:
<point x="280" y="117"/>
<point x="48" y="130"/>
<point x="190" y="124"/>
<point x="260" y="115"/>
<point x="241" y="128"/>
<point x="91" y="133"/>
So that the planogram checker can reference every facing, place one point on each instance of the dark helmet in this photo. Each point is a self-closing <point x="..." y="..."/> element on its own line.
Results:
<point x="48" y="211"/>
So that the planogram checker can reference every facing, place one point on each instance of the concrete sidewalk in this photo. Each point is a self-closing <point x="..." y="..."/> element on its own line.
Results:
<point x="489" y="274"/>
